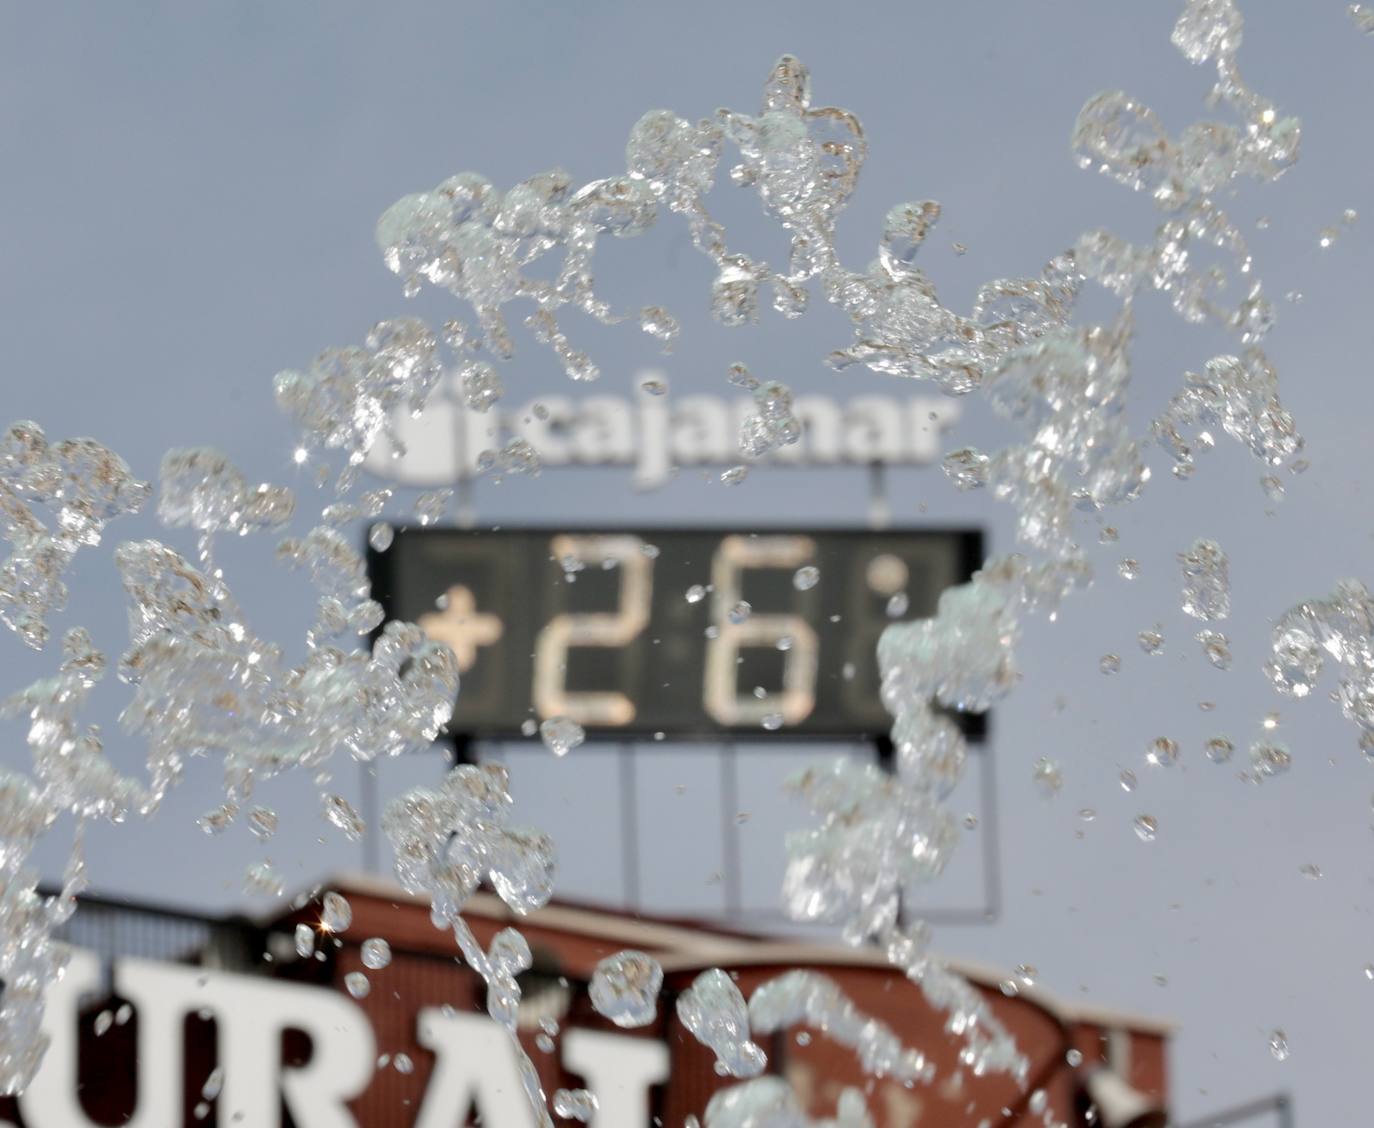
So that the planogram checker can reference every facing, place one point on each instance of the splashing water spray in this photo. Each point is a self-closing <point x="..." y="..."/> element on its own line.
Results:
<point x="202" y="682"/>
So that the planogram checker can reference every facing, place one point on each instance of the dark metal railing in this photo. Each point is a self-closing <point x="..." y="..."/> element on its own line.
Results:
<point x="118" y="929"/>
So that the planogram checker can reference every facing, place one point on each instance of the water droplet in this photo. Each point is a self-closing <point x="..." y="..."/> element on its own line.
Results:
<point x="741" y="377"/>
<point x="263" y="878"/>
<point x="336" y="914"/>
<point x="1128" y="569"/>
<point x="625" y="988"/>
<point x="1219" y="749"/>
<point x="1269" y="758"/>
<point x="739" y="613"/>
<point x="772" y="722"/>
<point x="1047" y="777"/>
<point x="1109" y="663"/>
<point x="696" y="593"/>
<point x="376" y="953"/>
<point x="734" y="475"/>
<point x="967" y="468"/>
<point x="381" y="536"/>
<point x="402" y="1063"/>
<point x="357" y="984"/>
<point x="806" y="577"/>
<point x="1162" y="752"/>
<point x="898" y="605"/>
<point x="655" y="387"/>
<point x="575" y="1104"/>
<point x="561" y="735"/>
<point x="305" y="941"/>
<point x="262" y="821"/>
<point x="1127" y="779"/>
<point x="1217" y="647"/>
<point x="1311" y="871"/>
<point x="1108" y="535"/>
<point x="481" y="386"/>
<point x="1278" y="1045"/>
<point x="1146" y="827"/>
<point x="1206" y="580"/>
<point x="1151" y="641"/>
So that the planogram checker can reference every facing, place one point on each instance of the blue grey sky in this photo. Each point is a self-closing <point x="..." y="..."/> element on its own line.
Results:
<point x="189" y="193"/>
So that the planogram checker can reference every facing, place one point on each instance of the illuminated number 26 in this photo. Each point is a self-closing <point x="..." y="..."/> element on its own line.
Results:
<point x="723" y="700"/>
<point x="598" y="708"/>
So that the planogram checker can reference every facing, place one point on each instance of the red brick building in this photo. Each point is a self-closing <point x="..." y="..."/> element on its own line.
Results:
<point x="235" y="959"/>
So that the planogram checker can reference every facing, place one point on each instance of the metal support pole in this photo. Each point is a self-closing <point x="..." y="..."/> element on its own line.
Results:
<point x="729" y="826"/>
<point x="879" y="510"/>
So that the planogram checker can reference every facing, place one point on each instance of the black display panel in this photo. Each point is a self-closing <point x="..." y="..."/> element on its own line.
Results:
<point x="633" y="633"/>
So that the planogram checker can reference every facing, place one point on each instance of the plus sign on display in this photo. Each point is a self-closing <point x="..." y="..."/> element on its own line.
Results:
<point x="680" y="632"/>
<point x="459" y="624"/>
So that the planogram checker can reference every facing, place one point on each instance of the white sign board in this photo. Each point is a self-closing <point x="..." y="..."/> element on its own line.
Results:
<point x="475" y="1058"/>
<point x="656" y="434"/>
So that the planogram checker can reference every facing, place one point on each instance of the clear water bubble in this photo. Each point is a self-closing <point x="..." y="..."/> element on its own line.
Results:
<point x="1216" y="647"/>
<point x="1146" y="828"/>
<point x="262" y="821"/>
<point x="575" y="1104"/>
<point x="305" y="941"/>
<point x="381" y="535"/>
<point x="1269" y="758"/>
<point x="262" y="878"/>
<point x="481" y="386"/>
<point x="1151" y="641"/>
<point x="561" y="735"/>
<point x="806" y="577"/>
<point x="1219" y="750"/>
<point x="1109" y="663"/>
<point x="336" y="914"/>
<point x="625" y="988"/>
<point x="376" y="953"/>
<point x="1162" y="752"/>
<point x="1206" y="581"/>
<point x="714" y="1012"/>
<point x="358" y="984"/>
<point x="1048" y="778"/>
